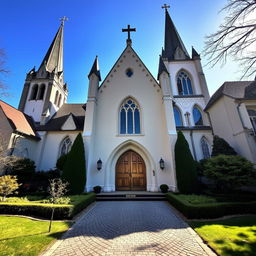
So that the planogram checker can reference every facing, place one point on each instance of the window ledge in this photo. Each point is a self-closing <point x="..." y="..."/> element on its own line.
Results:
<point x="130" y="135"/>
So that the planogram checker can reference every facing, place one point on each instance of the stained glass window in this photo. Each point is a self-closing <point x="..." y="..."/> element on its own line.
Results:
<point x="198" y="119"/>
<point x="184" y="84"/>
<point x="177" y="117"/>
<point x="65" y="146"/>
<point x="129" y="117"/>
<point x="205" y="148"/>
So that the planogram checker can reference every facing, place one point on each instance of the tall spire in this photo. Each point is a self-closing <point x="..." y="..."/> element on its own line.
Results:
<point x="173" y="45"/>
<point x="54" y="56"/>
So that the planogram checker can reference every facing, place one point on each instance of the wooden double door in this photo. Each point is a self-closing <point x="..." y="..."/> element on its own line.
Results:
<point x="130" y="172"/>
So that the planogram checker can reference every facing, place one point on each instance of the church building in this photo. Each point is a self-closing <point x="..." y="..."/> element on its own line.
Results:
<point x="129" y="121"/>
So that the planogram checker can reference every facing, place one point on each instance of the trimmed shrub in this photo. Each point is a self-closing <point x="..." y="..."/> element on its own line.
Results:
<point x="61" y="162"/>
<point x="23" y="167"/>
<point x="221" y="147"/>
<point x="164" y="188"/>
<point x="230" y="172"/>
<point x="185" y="166"/>
<point x="74" y="171"/>
<point x="97" y="189"/>
<point x="45" y="210"/>
<point x="211" y="210"/>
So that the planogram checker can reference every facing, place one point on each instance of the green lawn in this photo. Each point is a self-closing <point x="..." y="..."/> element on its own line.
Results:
<point x="21" y="236"/>
<point x="231" y="237"/>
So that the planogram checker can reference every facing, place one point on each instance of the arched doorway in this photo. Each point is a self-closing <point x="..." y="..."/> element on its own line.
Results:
<point x="130" y="172"/>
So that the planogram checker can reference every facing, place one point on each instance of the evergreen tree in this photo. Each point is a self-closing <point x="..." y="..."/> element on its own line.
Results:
<point x="74" y="171"/>
<point x="221" y="147"/>
<point x="185" y="166"/>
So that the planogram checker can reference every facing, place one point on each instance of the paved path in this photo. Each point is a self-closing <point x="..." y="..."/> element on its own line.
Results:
<point x="130" y="228"/>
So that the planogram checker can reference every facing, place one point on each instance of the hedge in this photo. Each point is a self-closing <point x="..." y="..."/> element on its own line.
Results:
<point x="211" y="210"/>
<point x="45" y="210"/>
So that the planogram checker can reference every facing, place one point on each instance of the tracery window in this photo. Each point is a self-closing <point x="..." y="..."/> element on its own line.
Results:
<point x="252" y="115"/>
<point x="65" y="146"/>
<point x="197" y="115"/>
<point x="129" y="116"/>
<point x="59" y="101"/>
<point x="34" y="92"/>
<point x="177" y="117"/>
<point x="205" y="148"/>
<point x="184" y="84"/>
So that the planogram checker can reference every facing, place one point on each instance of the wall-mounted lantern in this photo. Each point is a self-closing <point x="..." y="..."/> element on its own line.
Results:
<point x="161" y="163"/>
<point x="99" y="164"/>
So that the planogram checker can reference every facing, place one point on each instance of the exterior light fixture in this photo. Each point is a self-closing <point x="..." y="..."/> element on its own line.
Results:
<point x="99" y="164"/>
<point x="161" y="163"/>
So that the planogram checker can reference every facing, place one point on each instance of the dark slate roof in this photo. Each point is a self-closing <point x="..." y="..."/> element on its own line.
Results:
<point x="95" y="69"/>
<point x="172" y="39"/>
<point x="195" y="54"/>
<point x="161" y="67"/>
<point x="54" y="56"/>
<point x="236" y="90"/>
<point x="59" y="118"/>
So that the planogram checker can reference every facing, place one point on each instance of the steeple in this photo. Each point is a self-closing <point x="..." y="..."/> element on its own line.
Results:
<point x="95" y="69"/>
<point x="173" y="45"/>
<point x="53" y="59"/>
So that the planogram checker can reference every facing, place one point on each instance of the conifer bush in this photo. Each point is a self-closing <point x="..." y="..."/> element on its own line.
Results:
<point x="74" y="171"/>
<point x="221" y="147"/>
<point x="185" y="166"/>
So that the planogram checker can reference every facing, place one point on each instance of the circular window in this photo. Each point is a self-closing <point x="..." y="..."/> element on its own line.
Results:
<point x="129" y="72"/>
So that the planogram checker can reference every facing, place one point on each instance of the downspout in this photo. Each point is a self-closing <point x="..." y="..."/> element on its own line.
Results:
<point x="193" y="144"/>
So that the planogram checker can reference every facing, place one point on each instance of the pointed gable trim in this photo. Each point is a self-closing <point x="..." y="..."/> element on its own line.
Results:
<point x="136" y="55"/>
<point x="95" y="69"/>
<point x="161" y="68"/>
<point x="69" y="123"/>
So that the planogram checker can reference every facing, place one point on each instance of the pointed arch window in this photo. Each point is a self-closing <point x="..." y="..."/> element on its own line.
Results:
<point x="205" y="148"/>
<point x="184" y="84"/>
<point x="34" y="92"/>
<point x="59" y="101"/>
<point x="56" y="98"/>
<point x="41" y="92"/>
<point x="197" y="115"/>
<point x="129" y="116"/>
<point x="65" y="146"/>
<point x="177" y="116"/>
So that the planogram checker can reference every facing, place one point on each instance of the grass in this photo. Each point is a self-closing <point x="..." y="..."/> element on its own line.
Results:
<point x="231" y="237"/>
<point x="21" y="236"/>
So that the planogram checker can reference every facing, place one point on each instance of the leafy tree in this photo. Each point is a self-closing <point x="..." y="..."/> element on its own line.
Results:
<point x="185" y="166"/>
<point x="74" y="171"/>
<point x="230" y="172"/>
<point x="8" y="184"/>
<point x="236" y="36"/>
<point x="221" y="147"/>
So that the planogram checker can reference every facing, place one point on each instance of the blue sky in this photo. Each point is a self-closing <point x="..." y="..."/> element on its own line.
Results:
<point x="94" y="28"/>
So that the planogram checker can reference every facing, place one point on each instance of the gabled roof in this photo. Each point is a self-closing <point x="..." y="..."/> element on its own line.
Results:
<point x="161" y="67"/>
<point x="20" y="122"/>
<point x="61" y="116"/>
<point x="95" y="69"/>
<point x="137" y="56"/>
<point x="54" y="56"/>
<point x="237" y="90"/>
<point x="172" y="40"/>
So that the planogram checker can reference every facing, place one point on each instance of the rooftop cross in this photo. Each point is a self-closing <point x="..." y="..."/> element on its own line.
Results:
<point x="128" y="29"/>
<point x="165" y="6"/>
<point x="63" y="19"/>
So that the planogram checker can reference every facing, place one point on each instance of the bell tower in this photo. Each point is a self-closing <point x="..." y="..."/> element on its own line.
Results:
<point x="44" y="91"/>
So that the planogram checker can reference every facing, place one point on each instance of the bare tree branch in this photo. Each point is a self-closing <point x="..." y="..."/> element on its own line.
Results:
<point x="235" y="38"/>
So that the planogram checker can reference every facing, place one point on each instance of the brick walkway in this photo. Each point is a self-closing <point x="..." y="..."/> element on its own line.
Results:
<point x="130" y="228"/>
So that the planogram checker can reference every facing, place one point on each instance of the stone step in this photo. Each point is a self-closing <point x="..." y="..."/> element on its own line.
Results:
<point x="135" y="198"/>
